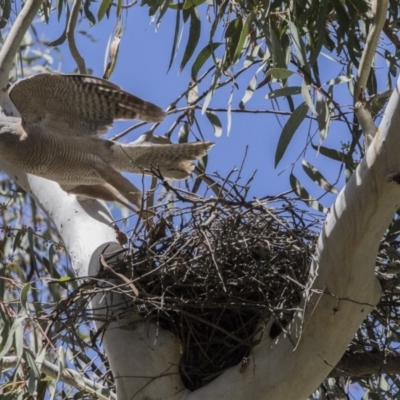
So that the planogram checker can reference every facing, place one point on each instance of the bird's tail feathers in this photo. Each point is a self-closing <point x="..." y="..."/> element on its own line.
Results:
<point x="172" y="160"/>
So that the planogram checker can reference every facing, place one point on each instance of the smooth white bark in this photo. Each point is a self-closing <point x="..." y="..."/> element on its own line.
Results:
<point x="144" y="358"/>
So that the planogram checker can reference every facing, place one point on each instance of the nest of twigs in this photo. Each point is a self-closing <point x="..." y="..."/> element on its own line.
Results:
<point x="213" y="271"/>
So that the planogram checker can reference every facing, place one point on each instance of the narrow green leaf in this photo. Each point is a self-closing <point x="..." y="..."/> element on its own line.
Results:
<point x="32" y="249"/>
<point x="298" y="44"/>
<point x="340" y="79"/>
<point x="17" y="240"/>
<point x="287" y="91"/>
<point x="202" y="165"/>
<point x="44" y="12"/>
<point x="19" y="339"/>
<point x="63" y="37"/>
<point x="183" y="133"/>
<point x="104" y="6"/>
<point x="64" y="278"/>
<point x="323" y="117"/>
<point x="192" y="3"/>
<point x="210" y="93"/>
<point x="393" y="230"/>
<point x="320" y="28"/>
<point x="2" y="282"/>
<point x="194" y="36"/>
<point x="24" y="295"/>
<point x="5" y="331"/>
<point x="249" y="91"/>
<point x="275" y="45"/>
<point x="218" y="18"/>
<point x="111" y="56"/>
<point x="229" y="111"/>
<point x="317" y="177"/>
<point x="40" y="358"/>
<point x="252" y="56"/>
<point x="61" y="359"/>
<point x="32" y="384"/>
<point x="202" y="57"/>
<point x="163" y="9"/>
<point x="9" y="338"/>
<point x="289" y="130"/>
<point x="6" y="11"/>
<point x="234" y="28"/>
<point x="279" y="73"/>
<point x="176" y="35"/>
<point x="15" y="268"/>
<point x="242" y="39"/>
<point x="119" y="8"/>
<point x="215" y="122"/>
<point x="88" y="14"/>
<point x="333" y="154"/>
<point x="186" y="15"/>
<point x="49" y="264"/>
<point x="232" y="34"/>
<point x="303" y="195"/>
<point x="307" y="97"/>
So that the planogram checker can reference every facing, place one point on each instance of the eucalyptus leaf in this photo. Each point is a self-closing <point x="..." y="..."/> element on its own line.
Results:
<point x="303" y="195"/>
<point x="318" y="178"/>
<point x="307" y="97"/>
<point x="289" y="130"/>
<point x="202" y="57"/>
<point x="215" y="122"/>
<point x="279" y="73"/>
<point x="194" y="36"/>
<point x="286" y="91"/>
<point x="323" y="116"/>
<point x="104" y="7"/>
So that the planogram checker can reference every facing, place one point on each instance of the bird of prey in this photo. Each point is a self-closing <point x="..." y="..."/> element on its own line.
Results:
<point x="56" y="137"/>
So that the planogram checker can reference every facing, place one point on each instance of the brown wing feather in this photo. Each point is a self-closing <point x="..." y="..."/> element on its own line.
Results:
<point x="77" y="105"/>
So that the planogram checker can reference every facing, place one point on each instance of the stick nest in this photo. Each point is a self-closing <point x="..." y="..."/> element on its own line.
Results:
<point x="214" y="272"/>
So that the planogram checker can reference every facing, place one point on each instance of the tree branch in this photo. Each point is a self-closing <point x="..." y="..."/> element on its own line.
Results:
<point x="73" y="18"/>
<point x="366" y="122"/>
<point x="367" y="364"/>
<point x="368" y="55"/>
<point x="68" y="376"/>
<point x="11" y="46"/>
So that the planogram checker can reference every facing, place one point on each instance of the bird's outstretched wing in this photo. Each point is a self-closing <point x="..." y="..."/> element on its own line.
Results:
<point x="77" y="105"/>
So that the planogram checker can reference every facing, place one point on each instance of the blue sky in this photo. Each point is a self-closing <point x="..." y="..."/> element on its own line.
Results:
<point x="142" y="70"/>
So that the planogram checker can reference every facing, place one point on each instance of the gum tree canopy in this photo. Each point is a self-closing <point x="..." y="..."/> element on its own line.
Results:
<point x="219" y="295"/>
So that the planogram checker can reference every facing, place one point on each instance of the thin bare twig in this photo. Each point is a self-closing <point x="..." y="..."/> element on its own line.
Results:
<point x="73" y="18"/>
